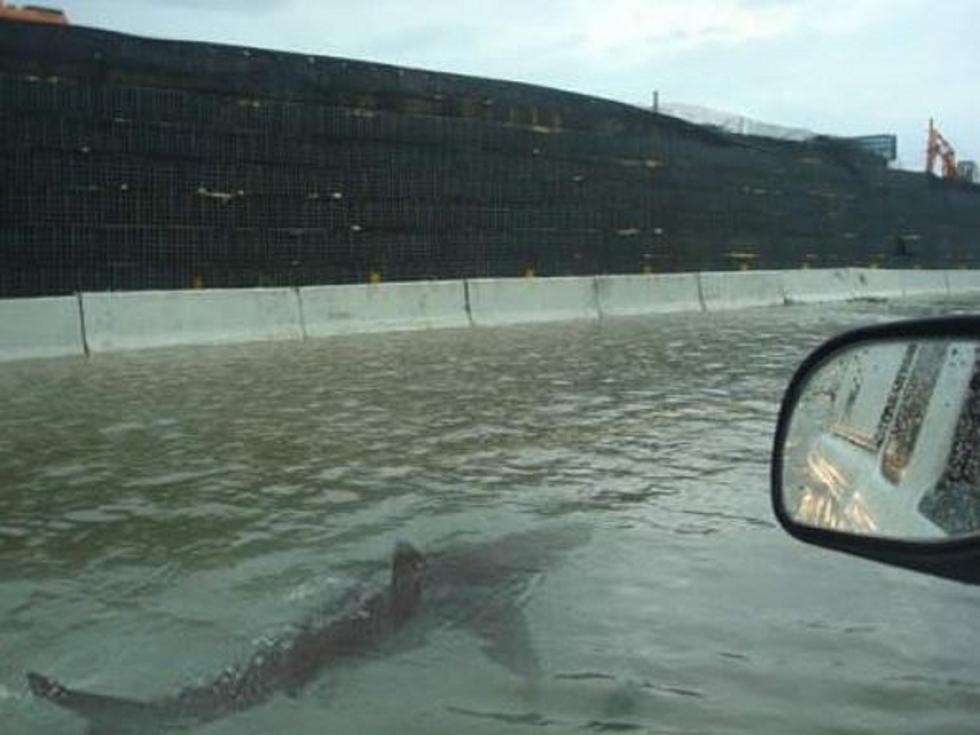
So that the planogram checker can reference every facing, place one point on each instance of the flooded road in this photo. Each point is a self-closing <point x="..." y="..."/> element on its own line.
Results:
<point x="162" y="513"/>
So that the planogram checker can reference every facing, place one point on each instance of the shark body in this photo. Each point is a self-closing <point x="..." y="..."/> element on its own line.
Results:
<point x="480" y="587"/>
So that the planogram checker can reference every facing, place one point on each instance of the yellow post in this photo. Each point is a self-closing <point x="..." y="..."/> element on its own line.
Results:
<point x="374" y="277"/>
<point x="197" y="281"/>
<point x="529" y="273"/>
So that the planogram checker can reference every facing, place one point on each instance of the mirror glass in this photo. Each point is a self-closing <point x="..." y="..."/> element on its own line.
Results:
<point x="885" y="441"/>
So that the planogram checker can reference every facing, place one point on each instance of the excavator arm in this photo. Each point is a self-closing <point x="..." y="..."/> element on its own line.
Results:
<point x="937" y="147"/>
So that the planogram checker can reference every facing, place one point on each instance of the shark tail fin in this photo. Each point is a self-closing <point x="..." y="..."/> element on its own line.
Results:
<point x="45" y="688"/>
<point x="106" y="715"/>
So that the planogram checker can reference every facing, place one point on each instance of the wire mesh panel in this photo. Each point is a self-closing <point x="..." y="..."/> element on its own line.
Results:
<point x="132" y="163"/>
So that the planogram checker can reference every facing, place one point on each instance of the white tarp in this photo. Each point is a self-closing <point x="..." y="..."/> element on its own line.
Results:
<point x="733" y="123"/>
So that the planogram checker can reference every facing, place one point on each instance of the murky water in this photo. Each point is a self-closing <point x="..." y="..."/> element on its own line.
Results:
<point x="163" y="512"/>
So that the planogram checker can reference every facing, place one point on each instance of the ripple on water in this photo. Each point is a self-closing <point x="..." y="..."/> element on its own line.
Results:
<point x="221" y="493"/>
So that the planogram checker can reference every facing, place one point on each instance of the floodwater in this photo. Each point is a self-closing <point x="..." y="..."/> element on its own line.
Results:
<point x="163" y="512"/>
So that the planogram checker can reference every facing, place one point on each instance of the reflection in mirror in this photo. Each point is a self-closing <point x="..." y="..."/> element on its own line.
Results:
<point x="885" y="441"/>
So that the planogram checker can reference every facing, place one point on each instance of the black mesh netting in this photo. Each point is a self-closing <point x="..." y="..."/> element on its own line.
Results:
<point x="132" y="163"/>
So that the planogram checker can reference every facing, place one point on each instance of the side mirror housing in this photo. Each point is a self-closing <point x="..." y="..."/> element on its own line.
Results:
<point x="877" y="449"/>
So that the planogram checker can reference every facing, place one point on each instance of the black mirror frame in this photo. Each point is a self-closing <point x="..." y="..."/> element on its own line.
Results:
<point x="957" y="559"/>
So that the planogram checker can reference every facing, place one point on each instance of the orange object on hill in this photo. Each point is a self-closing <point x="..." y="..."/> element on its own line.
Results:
<point x="33" y="14"/>
<point x="938" y="148"/>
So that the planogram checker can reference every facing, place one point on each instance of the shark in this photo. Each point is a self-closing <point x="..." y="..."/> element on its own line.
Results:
<point x="480" y="587"/>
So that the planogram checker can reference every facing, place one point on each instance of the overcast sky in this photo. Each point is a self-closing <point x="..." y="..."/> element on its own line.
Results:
<point x="845" y="67"/>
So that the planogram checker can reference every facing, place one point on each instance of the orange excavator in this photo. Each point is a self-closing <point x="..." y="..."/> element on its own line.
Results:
<point x="33" y="14"/>
<point x="937" y="147"/>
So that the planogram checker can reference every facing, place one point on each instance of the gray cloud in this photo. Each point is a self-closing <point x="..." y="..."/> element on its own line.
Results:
<point x="836" y="66"/>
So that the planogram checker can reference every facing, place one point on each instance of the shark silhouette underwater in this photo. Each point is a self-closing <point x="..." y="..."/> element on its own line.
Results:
<point x="480" y="587"/>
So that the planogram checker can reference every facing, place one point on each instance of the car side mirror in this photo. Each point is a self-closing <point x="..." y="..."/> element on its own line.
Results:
<point x="877" y="449"/>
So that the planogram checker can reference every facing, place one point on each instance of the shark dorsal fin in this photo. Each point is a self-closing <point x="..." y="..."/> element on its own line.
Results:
<point x="407" y="561"/>
<point x="407" y="571"/>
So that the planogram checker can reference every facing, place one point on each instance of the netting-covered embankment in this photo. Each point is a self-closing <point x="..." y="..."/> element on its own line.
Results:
<point x="133" y="163"/>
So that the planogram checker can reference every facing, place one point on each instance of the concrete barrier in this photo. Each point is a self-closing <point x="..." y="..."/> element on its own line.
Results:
<point x="48" y="327"/>
<point x="649" y="294"/>
<point x="813" y="286"/>
<point x="383" y="307"/>
<point x="515" y="300"/>
<point x="877" y="283"/>
<point x="137" y="319"/>
<point x="725" y="290"/>
<point x="963" y="282"/>
<point x="44" y="327"/>
<point x="923" y="283"/>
